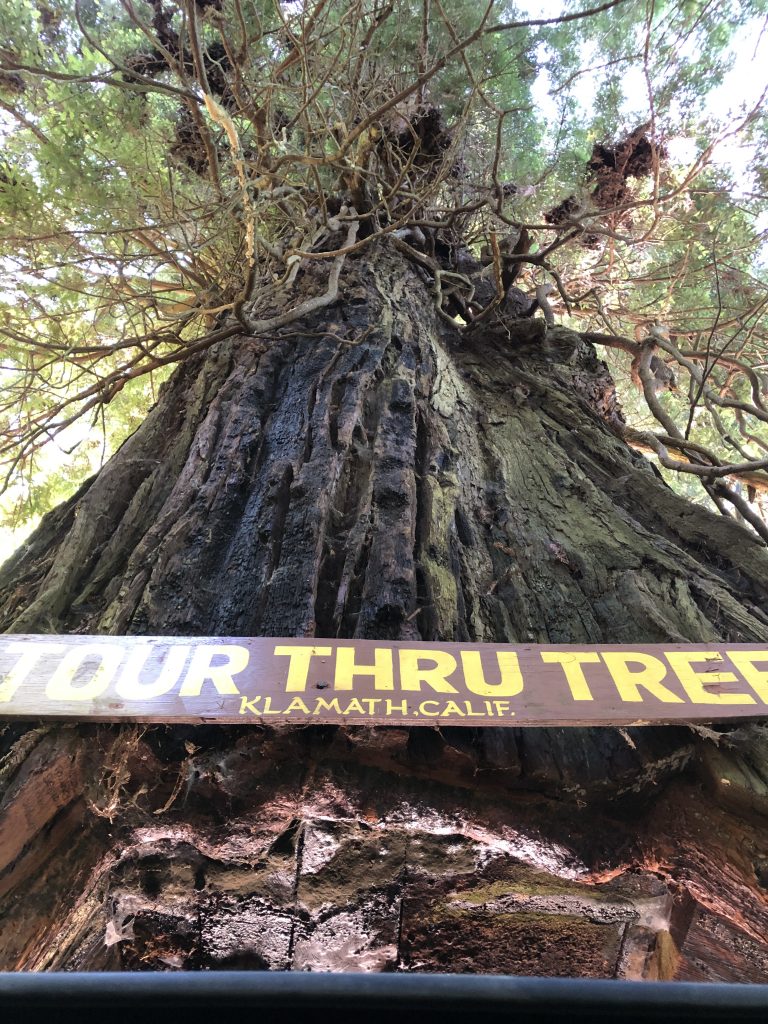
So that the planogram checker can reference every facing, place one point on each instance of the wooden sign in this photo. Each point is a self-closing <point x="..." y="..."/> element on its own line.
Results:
<point x="370" y="682"/>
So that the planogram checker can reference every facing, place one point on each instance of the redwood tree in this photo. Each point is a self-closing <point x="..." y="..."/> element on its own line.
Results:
<point x="368" y="432"/>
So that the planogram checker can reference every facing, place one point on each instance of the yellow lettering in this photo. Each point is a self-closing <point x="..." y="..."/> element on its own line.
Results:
<point x="757" y="678"/>
<point x="391" y="707"/>
<point x="509" y="669"/>
<point x="61" y="684"/>
<point x="327" y="705"/>
<point x="249" y="705"/>
<point x="130" y="688"/>
<point x="298" y="667"/>
<point x="452" y="708"/>
<point x="574" y="674"/>
<point x="649" y="676"/>
<point x="354" y="706"/>
<point x="200" y="668"/>
<point x="429" y="714"/>
<point x="31" y="653"/>
<point x="412" y="674"/>
<point x="694" y="682"/>
<point x="297" y="704"/>
<point x="347" y="668"/>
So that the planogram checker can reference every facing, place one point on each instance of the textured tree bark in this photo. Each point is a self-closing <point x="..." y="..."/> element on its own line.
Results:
<point x="365" y="474"/>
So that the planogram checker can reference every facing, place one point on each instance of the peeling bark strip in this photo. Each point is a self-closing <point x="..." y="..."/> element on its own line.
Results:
<point x="273" y="680"/>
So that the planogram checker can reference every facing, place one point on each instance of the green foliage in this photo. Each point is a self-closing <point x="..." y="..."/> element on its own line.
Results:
<point x="136" y="215"/>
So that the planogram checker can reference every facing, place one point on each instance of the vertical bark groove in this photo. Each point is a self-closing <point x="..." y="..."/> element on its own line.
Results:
<point x="368" y="473"/>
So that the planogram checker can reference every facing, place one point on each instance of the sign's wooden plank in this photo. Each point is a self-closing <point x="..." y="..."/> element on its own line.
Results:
<point x="276" y="681"/>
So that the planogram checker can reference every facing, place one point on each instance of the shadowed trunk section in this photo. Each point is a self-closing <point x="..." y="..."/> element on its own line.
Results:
<point x="366" y="473"/>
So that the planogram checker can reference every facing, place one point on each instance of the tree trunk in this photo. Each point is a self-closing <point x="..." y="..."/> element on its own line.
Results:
<point x="365" y="474"/>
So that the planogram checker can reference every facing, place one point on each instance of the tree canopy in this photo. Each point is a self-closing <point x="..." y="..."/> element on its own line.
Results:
<point x="171" y="169"/>
<point x="367" y="262"/>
